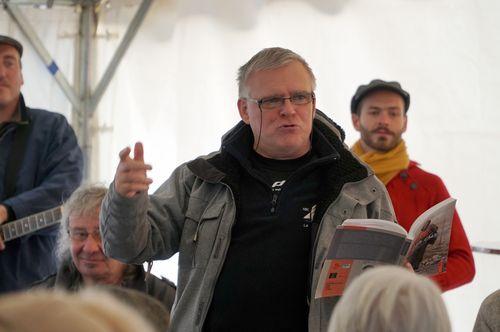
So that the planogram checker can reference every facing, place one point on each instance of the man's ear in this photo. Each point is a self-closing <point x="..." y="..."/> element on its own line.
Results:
<point x="314" y="108"/>
<point x="405" y="123"/>
<point x="355" y="121"/>
<point x="243" y="109"/>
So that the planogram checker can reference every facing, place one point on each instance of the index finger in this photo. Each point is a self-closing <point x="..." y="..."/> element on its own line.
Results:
<point x="124" y="154"/>
<point x="138" y="152"/>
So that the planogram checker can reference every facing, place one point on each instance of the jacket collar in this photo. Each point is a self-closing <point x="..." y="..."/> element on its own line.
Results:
<point x="237" y="145"/>
<point x="327" y="140"/>
<point x="68" y="276"/>
<point x="238" y="141"/>
<point x="23" y="111"/>
<point x="20" y="115"/>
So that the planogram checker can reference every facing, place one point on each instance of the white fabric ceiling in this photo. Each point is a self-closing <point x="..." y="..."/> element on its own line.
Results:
<point x="175" y="89"/>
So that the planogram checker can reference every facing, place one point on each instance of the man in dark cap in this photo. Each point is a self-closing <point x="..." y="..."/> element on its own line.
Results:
<point x="40" y="166"/>
<point x="6" y="40"/>
<point x="379" y="112"/>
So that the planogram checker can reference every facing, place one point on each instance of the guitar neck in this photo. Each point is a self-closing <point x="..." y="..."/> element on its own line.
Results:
<point x="30" y="224"/>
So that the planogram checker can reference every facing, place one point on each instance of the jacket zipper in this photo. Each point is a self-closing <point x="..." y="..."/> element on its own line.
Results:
<point x="195" y="241"/>
<point x="274" y="201"/>
<point x="275" y="195"/>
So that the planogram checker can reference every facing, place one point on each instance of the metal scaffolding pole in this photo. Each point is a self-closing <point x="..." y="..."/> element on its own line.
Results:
<point x="120" y="51"/>
<point x="42" y="52"/>
<point x="84" y="102"/>
<point x="44" y="3"/>
<point x="84" y="47"/>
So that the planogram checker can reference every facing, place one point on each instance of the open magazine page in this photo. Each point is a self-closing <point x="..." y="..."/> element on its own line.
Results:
<point x="356" y="247"/>
<point x="430" y="232"/>
<point x="359" y="244"/>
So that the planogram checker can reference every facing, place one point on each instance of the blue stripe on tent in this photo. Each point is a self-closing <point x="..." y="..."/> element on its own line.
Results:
<point x="53" y="68"/>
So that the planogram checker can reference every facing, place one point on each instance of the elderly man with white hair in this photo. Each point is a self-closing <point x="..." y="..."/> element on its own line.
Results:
<point x="81" y="258"/>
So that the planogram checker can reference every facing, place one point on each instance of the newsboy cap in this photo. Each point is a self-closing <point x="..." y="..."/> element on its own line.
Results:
<point x="12" y="42"/>
<point x="377" y="85"/>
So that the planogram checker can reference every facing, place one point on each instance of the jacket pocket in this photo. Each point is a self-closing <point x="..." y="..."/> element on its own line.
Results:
<point x="200" y="234"/>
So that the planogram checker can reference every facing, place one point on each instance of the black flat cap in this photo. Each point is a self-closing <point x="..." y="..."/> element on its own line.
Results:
<point x="12" y="42"/>
<point x="376" y="85"/>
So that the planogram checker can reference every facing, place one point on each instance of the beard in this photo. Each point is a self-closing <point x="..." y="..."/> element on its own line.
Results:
<point x="380" y="139"/>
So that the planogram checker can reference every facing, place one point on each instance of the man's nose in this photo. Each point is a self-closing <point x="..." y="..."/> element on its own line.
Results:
<point x="287" y="108"/>
<point x="383" y="118"/>
<point x="91" y="245"/>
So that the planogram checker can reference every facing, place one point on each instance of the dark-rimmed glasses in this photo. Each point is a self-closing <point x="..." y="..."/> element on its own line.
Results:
<point x="271" y="103"/>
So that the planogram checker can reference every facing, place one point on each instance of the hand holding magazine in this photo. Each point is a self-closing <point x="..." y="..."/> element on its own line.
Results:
<point x="359" y="244"/>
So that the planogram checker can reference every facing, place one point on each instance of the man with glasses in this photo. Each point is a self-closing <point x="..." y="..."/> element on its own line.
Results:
<point x="81" y="258"/>
<point x="253" y="221"/>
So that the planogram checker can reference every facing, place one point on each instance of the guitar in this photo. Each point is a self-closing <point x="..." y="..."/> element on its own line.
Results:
<point x="17" y="228"/>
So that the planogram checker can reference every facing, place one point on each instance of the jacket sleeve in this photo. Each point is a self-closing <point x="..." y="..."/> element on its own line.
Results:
<point x="460" y="267"/>
<point x="143" y="228"/>
<point x="488" y="317"/>
<point x="58" y="170"/>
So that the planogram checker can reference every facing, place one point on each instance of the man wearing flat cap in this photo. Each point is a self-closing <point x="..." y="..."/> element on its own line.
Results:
<point x="379" y="113"/>
<point x="40" y="166"/>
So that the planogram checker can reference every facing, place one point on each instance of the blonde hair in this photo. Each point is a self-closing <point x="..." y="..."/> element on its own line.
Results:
<point x="57" y="311"/>
<point x="390" y="298"/>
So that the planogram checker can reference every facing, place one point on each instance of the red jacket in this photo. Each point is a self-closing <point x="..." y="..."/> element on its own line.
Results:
<point x="412" y="192"/>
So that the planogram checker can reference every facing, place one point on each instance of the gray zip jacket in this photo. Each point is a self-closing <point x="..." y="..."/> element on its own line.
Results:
<point x="192" y="213"/>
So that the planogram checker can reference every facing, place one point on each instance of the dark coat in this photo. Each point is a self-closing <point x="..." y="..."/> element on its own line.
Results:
<point x="51" y="170"/>
<point x="69" y="278"/>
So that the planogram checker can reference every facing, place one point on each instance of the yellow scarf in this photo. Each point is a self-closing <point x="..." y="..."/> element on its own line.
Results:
<point x="385" y="165"/>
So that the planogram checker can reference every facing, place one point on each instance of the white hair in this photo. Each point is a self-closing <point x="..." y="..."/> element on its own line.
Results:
<point x="85" y="201"/>
<point x="266" y="59"/>
<point x="390" y="299"/>
<point x="57" y="311"/>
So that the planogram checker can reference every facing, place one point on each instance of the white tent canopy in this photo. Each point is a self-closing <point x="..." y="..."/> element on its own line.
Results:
<point x="175" y="88"/>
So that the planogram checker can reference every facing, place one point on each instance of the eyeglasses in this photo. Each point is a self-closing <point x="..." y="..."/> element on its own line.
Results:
<point x="80" y="235"/>
<point x="271" y="103"/>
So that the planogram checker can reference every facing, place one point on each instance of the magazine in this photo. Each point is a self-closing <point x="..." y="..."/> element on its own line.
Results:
<point x="359" y="244"/>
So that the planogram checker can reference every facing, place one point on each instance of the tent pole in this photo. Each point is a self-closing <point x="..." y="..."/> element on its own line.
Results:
<point x="27" y="29"/>
<point x="119" y="53"/>
<point x="84" y="52"/>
